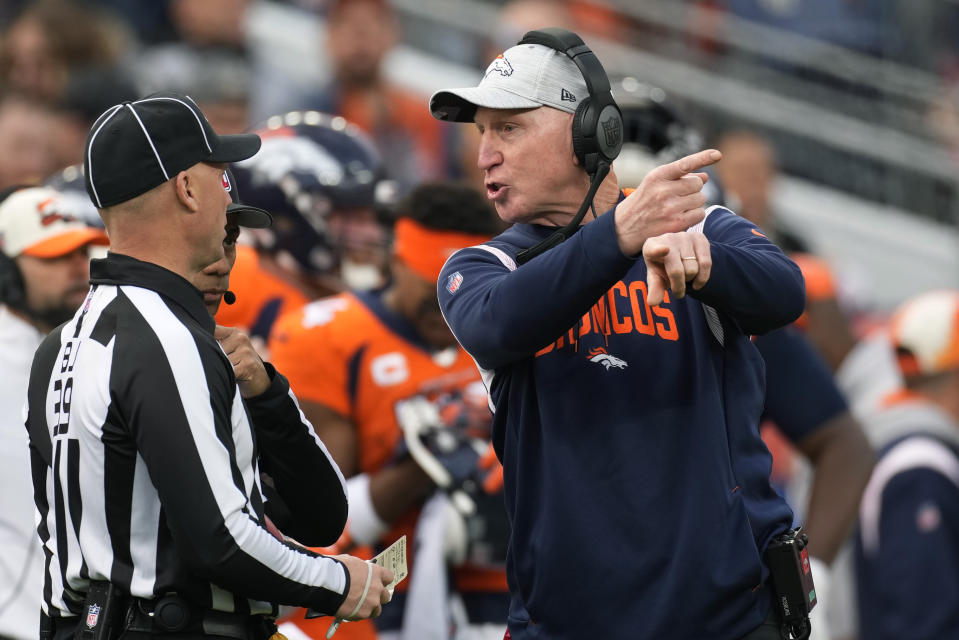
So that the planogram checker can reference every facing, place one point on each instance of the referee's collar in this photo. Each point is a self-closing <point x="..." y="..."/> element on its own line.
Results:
<point x="118" y="269"/>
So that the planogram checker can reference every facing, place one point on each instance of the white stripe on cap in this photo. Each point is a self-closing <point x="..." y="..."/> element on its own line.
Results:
<point x="156" y="154"/>
<point x="105" y="118"/>
<point x="192" y="110"/>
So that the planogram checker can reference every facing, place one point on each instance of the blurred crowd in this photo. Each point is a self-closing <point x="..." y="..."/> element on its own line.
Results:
<point x="345" y="150"/>
<point x="62" y="62"/>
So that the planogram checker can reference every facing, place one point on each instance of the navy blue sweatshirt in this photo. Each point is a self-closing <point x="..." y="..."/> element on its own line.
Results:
<point x="628" y="434"/>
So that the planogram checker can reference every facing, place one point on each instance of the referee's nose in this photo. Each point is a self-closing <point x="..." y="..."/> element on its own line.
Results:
<point x="222" y="267"/>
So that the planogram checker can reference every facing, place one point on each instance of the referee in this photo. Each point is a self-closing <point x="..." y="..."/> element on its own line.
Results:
<point x="145" y="458"/>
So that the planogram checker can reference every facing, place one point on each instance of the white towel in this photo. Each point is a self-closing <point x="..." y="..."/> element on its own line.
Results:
<point x="427" y="613"/>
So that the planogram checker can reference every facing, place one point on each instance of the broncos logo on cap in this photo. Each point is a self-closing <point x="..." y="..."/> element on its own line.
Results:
<point x="599" y="355"/>
<point x="501" y="66"/>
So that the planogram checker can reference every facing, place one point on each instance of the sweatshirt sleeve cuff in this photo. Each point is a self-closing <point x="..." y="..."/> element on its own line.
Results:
<point x="279" y="386"/>
<point x="601" y="245"/>
<point x="716" y="288"/>
<point x="271" y="403"/>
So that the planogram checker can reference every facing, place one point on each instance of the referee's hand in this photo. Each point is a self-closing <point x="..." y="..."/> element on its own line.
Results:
<point x="366" y="579"/>
<point x="248" y="368"/>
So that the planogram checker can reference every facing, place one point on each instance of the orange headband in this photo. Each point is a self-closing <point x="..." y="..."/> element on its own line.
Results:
<point x="425" y="250"/>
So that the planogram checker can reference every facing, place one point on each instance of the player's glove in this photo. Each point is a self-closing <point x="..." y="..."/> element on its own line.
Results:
<point x="457" y="462"/>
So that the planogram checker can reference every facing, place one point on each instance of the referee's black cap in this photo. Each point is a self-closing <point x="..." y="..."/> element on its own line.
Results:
<point x="136" y="146"/>
<point x="246" y="215"/>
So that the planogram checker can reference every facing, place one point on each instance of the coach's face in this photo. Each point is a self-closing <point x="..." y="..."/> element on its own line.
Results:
<point x="531" y="173"/>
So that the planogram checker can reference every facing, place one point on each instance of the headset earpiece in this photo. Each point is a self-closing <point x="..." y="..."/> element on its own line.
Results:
<point x="579" y="144"/>
<point x="12" y="288"/>
<point x="12" y="292"/>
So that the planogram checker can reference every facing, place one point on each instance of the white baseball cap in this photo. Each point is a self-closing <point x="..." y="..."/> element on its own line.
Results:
<point x="35" y="221"/>
<point x="522" y="77"/>
<point x="925" y="333"/>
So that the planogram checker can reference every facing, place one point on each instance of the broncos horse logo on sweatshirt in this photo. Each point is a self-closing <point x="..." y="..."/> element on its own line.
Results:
<point x="599" y="355"/>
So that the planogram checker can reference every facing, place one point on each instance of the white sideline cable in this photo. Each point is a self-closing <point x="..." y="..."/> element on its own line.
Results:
<point x="366" y="590"/>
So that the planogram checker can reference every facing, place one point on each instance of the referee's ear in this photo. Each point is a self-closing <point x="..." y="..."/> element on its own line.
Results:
<point x="184" y="184"/>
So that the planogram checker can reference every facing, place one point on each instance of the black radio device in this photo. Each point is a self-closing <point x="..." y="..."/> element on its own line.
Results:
<point x="791" y="576"/>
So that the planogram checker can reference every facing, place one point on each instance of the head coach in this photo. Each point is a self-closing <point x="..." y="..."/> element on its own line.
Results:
<point x="145" y="456"/>
<point x="626" y="392"/>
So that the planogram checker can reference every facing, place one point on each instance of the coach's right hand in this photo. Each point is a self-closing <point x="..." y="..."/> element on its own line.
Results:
<point x="376" y="596"/>
<point x="668" y="200"/>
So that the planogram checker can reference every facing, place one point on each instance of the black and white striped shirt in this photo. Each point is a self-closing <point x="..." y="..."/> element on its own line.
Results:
<point x="146" y="461"/>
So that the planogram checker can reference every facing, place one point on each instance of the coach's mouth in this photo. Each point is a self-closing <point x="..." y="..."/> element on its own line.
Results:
<point x="495" y="190"/>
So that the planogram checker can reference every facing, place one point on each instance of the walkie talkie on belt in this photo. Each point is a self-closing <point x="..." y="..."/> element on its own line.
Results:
<point x="792" y="582"/>
<point x="102" y="614"/>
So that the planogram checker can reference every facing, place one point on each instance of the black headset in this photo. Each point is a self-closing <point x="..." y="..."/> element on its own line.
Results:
<point x="12" y="289"/>
<point x="12" y="292"/>
<point x="597" y="125"/>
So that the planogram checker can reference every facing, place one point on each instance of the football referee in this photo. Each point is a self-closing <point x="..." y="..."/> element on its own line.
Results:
<point x="145" y="457"/>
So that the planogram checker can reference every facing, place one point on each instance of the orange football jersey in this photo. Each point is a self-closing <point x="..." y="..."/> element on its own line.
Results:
<point x="358" y="358"/>
<point x="260" y="296"/>
<point x="351" y="354"/>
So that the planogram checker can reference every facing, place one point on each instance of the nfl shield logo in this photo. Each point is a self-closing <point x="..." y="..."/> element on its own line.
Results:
<point x="454" y="282"/>
<point x="92" y="614"/>
<point x="928" y="517"/>
<point x="226" y="182"/>
<point x="612" y="131"/>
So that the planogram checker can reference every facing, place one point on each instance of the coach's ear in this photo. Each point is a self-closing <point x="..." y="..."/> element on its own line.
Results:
<point x="184" y="183"/>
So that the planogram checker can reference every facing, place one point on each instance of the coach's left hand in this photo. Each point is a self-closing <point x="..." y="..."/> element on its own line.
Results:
<point x="250" y="373"/>
<point x="672" y="261"/>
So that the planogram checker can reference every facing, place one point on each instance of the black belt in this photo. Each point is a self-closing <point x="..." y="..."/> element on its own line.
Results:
<point x="173" y="615"/>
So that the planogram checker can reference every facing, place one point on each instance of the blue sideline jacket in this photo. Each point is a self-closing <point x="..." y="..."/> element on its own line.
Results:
<point x="907" y="549"/>
<point x="628" y="434"/>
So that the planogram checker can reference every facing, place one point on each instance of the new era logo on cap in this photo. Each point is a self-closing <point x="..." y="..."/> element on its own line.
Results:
<point x="136" y="146"/>
<point x="566" y="95"/>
